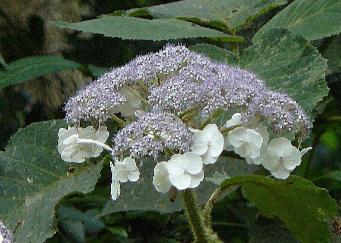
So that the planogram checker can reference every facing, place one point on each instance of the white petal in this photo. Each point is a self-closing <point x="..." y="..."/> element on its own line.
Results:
<point x="235" y="120"/>
<point x="134" y="175"/>
<point x="252" y="136"/>
<point x="174" y="170"/>
<point x="282" y="146"/>
<point x="181" y="181"/>
<point x="243" y="150"/>
<point x="115" y="185"/>
<point x="101" y="134"/>
<point x="200" y="143"/>
<point x="192" y="162"/>
<point x="208" y="158"/>
<point x="161" y="178"/>
<point x="294" y="159"/>
<point x="196" y="179"/>
<point x="210" y="131"/>
<point x="237" y="136"/>
<point x="70" y="140"/>
<point x="270" y="160"/>
<point x="130" y="163"/>
<point x="281" y="173"/>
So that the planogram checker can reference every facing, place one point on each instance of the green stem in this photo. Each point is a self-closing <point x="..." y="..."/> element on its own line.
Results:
<point x="202" y="233"/>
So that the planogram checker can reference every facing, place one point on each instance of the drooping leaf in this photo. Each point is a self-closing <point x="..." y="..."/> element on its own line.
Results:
<point x="215" y="52"/>
<point x="132" y="28"/>
<point x="225" y="14"/>
<point x="33" y="67"/>
<point x="303" y="207"/>
<point x="288" y="63"/>
<point x="313" y="19"/>
<point x="141" y="195"/>
<point x="33" y="179"/>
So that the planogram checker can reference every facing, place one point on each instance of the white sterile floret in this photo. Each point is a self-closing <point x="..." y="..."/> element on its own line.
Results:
<point x="245" y="142"/>
<point x="235" y="120"/>
<point x="208" y="143"/>
<point x="115" y="184"/>
<point x="262" y="130"/>
<point x="185" y="171"/>
<point x="122" y="171"/>
<point x="126" y="170"/>
<point x="281" y="157"/>
<point x="77" y="144"/>
<point x="161" y="178"/>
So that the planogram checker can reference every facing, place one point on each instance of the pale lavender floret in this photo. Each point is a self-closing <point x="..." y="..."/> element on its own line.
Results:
<point x="6" y="234"/>
<point x="151" y="134"/>
<point x="178" y="79"/>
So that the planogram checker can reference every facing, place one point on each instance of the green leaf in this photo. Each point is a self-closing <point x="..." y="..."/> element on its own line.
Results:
<point x="269" y="232"/>
<point x="313" y="19"/>
<point x="333" y="54"/>
<point x="33" y="67"/>
<point x="141" y="195"/>
<point x="303" y="207"/>
<point x="223" y="14"/>
<point x="33" y="179"/>
<point x="144" y="29"/>
<point x="215" y="52"/>
<point x="288" y="63"/>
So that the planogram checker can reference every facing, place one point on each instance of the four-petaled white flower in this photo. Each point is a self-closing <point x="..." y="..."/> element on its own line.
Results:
<point x="185" y="170"/>
<point x="235" y="120"/>
<point x="77" y="144"/>
<point x="161" y="177"/>
<point x="123" y="171"/>
<point x="264" y="133"/>
<point x="245" y="142"/>
<point x="281" y="157"/>
<point x="208" y="143"/>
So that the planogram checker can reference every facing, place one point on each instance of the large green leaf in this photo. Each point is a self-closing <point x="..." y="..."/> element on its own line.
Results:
<point x="288" y="63"/>
<point x="313" y="19"/>
<point x="144" y="29"/>
<point x="141" y="195"/>
<point x="215" y="52"/>
<point x="229" y="14"/>
<point x="33" y="67"/>
<point x="303" y="207"/>
<point x="33" y="179"/>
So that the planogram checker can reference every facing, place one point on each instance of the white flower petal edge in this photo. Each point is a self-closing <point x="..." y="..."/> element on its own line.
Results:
<point x="77" y="144"/>
<point x="115" y="184"/>
<point x="235" y="120"/>
<point x="245" y="142"/>
<point x="281" y="157"/>
<point x="161" y="178"/>
<point x="132" y="104"/>
<point x="208" y="143"/>
<point x="185" y="171"/>
<point x="126" y="170"/>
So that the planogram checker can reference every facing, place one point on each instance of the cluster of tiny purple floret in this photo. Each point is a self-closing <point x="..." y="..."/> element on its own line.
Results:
<point x="172" y="81"/>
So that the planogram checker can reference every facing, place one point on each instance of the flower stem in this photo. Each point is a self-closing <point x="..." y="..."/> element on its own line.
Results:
<point x="202" y="233"/>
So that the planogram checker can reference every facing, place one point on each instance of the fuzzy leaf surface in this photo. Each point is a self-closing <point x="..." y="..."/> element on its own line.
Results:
<point x="313" y="19"/>
<point x="289" y="64"/>
<point x="228" y="14"/>
<point x="33" y="179"/>
<point x="303" y="207"/>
